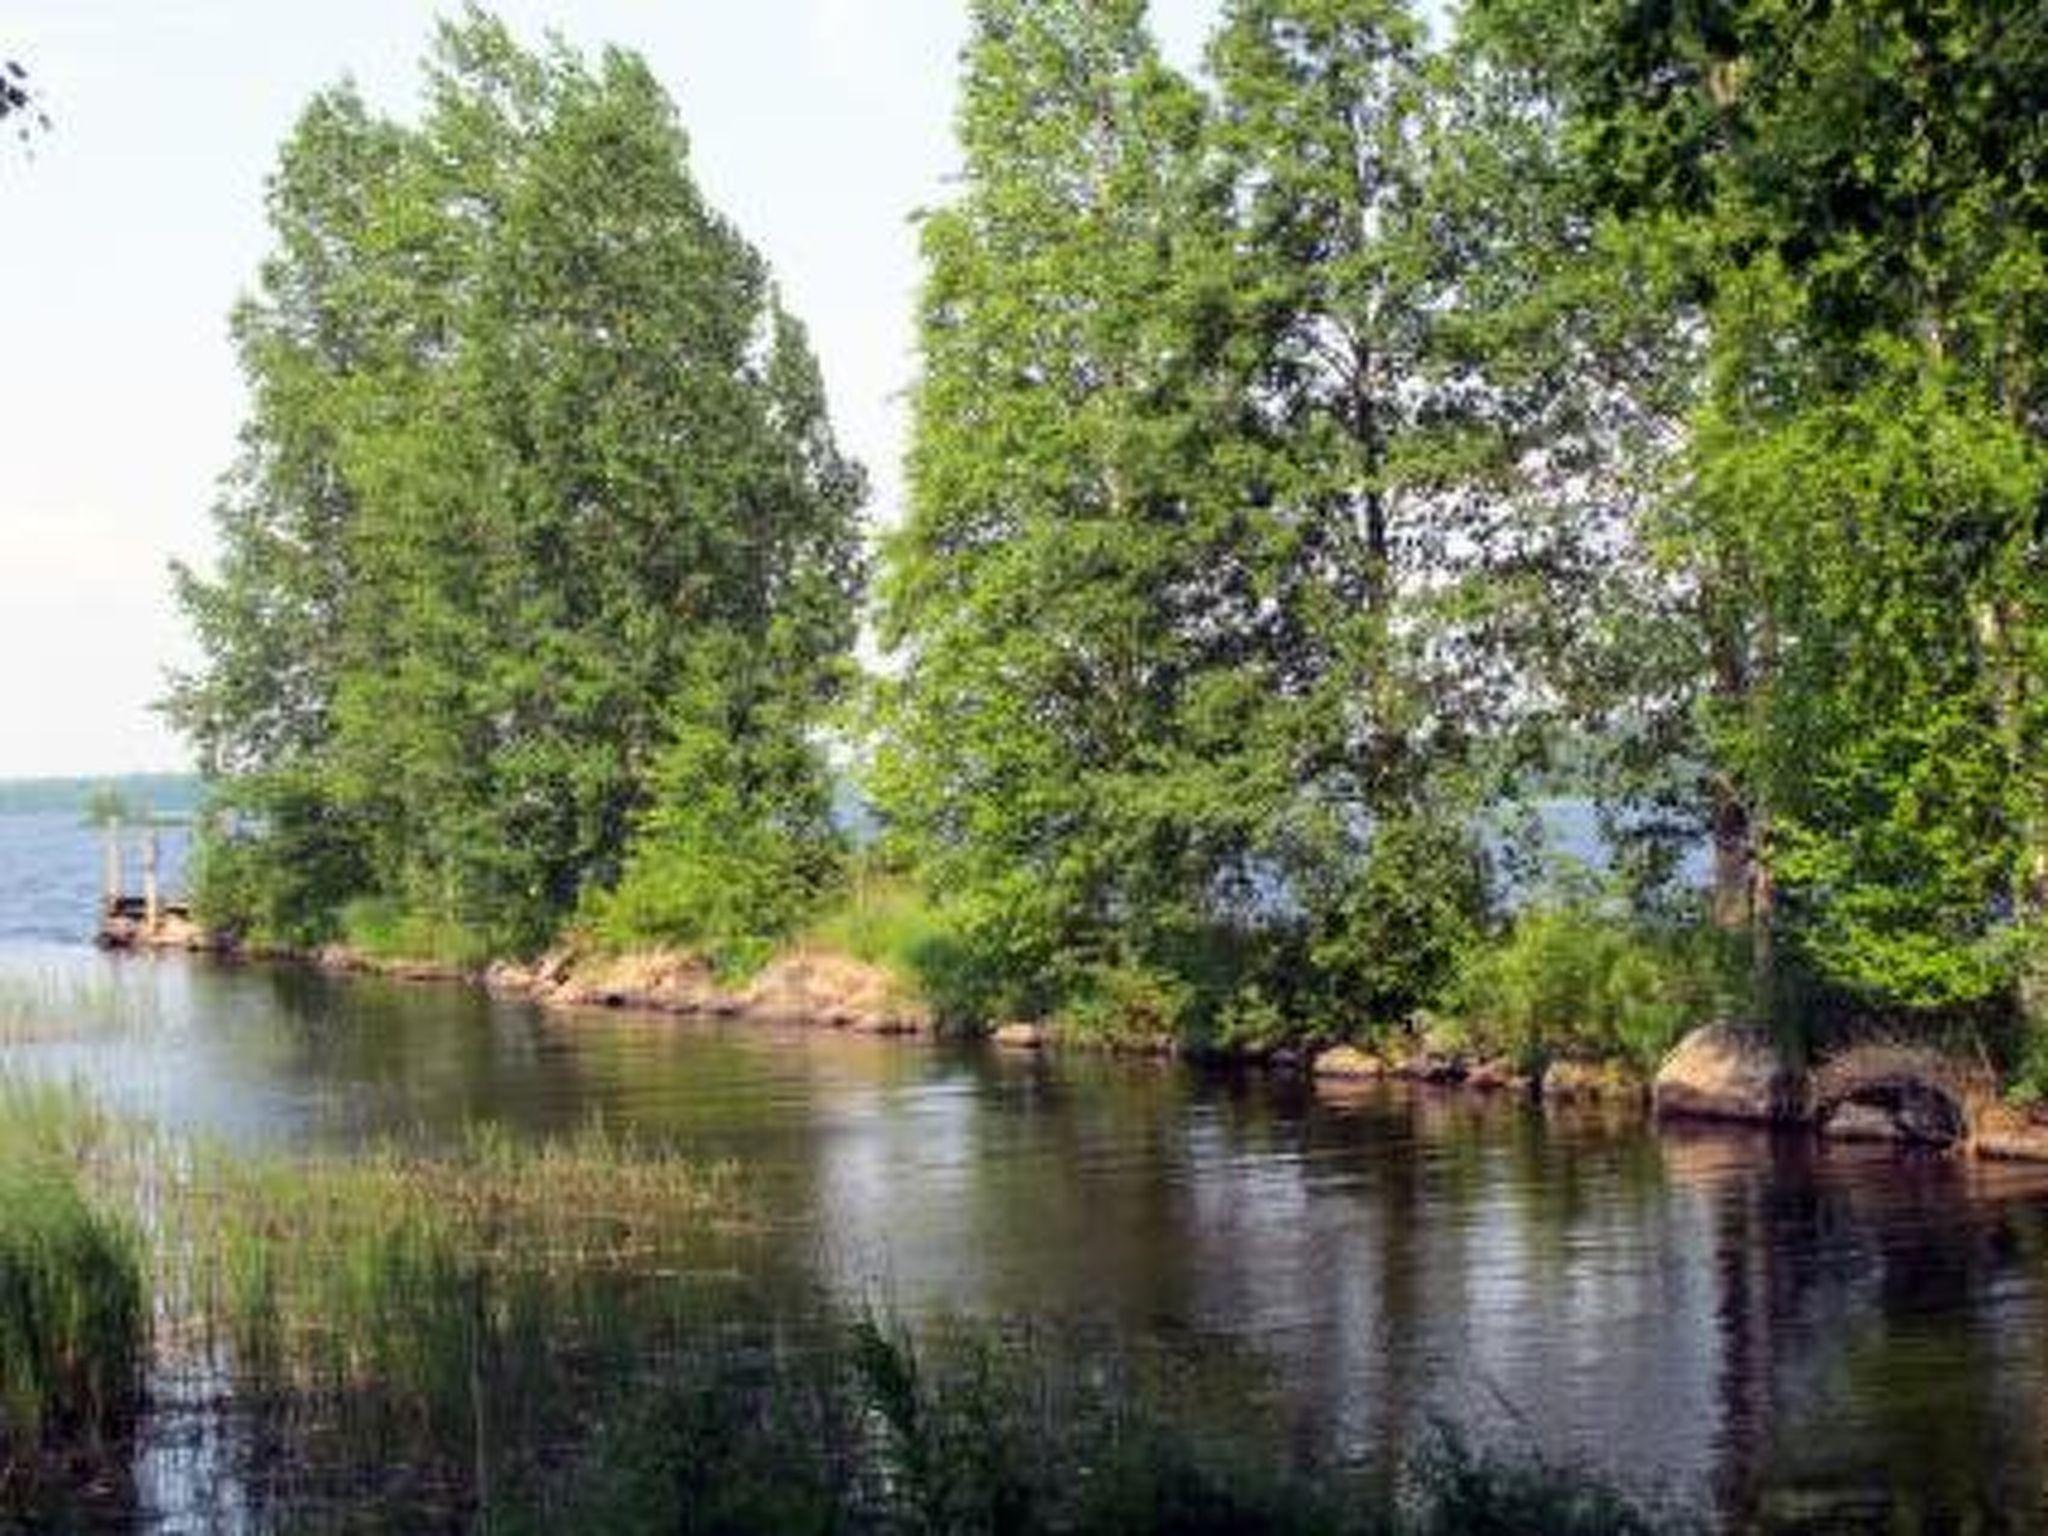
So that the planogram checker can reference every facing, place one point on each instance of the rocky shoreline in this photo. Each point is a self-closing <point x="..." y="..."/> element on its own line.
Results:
<point x="1902" y="1094"/>
<point x="1907" y="1095"/>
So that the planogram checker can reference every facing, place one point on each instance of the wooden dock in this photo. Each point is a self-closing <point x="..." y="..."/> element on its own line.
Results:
<point x="150" y="920"/>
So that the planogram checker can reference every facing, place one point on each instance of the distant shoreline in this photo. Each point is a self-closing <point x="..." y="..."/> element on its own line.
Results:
<point x="164" y="793"/>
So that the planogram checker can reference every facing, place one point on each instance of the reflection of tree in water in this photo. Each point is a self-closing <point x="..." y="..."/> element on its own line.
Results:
<point x="1448" y="1260"/>
<point x="1876" y="1365"/>
<point x="391" y="1057"/>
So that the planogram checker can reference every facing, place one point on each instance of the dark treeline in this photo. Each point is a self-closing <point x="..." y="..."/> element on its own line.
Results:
<point x="1314" y="462"/>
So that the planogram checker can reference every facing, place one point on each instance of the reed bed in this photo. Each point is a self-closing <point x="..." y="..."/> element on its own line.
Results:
<point x="74" y="1325"/>
<point x="576" y="1334"/>
<point x="50" y="1005"/>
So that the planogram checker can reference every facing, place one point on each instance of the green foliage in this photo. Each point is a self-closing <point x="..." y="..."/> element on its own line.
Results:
<point x="532" y="446"/>
<point x="885" y="917"/>
<point x="1576" y="976"/>
<point x="882" y="917"/>
<point x="1901" y="755"/>
<point x="1391" y="937"/>
<point x="1842" y="204"/>
<point x="1199" y="578"/>
<point x="279" y="858"/>
<point x="736" y="849"/>
<point x="1126" y="1005"/>
<point x="1040" y="752"/>
<point x="387" y="930"/>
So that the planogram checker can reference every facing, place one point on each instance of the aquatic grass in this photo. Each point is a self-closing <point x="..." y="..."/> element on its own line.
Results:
<point x="866" y="1426"/>
<point x="74" y="1313"/>
<point x="539" y="1336"/>
<point x="48" y="1005"/>
<point x="301" y="1260"/>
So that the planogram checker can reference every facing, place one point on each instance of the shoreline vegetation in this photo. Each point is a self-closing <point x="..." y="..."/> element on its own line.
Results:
<point x="519" y="1337"/>
<point x="1883" y="1089"/>
<point x="1278" y="539"/>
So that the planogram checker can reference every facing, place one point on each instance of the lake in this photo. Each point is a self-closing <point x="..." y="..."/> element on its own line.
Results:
<point x="1796" y="1336"/>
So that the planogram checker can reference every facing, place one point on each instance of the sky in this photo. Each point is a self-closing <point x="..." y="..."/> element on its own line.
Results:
<point x="129" y="230"/>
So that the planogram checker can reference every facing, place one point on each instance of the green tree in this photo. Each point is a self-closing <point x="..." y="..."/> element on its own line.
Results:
<point x="1418" y="387"/>
<point x="1072" y="747"/>
<point x="1847" y="196"/>
<point x="530" y="432"/>
<point x="1220" y="537"/>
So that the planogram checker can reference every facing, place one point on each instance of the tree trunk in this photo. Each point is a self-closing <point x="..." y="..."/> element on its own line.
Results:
<point x="1729" y="903"/>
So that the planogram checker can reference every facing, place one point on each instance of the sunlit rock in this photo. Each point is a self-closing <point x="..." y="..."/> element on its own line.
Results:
<point x="1730" y="1072"/>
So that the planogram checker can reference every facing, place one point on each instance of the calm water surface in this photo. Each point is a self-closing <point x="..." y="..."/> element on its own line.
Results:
<point x="1802" y="1336"/>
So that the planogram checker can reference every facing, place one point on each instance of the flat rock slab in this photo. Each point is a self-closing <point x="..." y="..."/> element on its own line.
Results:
<point x="2007" y="1132"/>
<point x="1348" y="1062"/>
<point x="1567" y="1082"/>
<point x="1022" y="1037"/>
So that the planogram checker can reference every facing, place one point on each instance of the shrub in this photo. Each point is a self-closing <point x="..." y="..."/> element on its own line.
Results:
<point x="1393" y="937"/>
<point x="883" y="919"/>
<point x="275" y="861"/>
<point x="1576" y="977"/>
<point x="391" y="930"/>
<point x="1125" y="1003"/>
<point x="737" y="850"/>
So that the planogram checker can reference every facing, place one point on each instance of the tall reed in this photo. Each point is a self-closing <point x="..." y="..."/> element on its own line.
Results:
<point x="74" y="1314"/>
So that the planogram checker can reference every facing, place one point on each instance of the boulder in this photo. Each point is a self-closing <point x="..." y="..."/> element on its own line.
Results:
<point x="1431" y="1067"/>
<point x="1348" y="1062"/>
<point x="1930" y="1097"/>
<point x="1021" y="1036"/>
<point x="823" y="987"/>
<point x="667" y="981"/>
<point x="1498" y="1076"/>
<point x="1920" y="1118"/>
<point x="1730" y="1072"/>
<point x="1569" y="1080"/>
<point x="510" y="978"/>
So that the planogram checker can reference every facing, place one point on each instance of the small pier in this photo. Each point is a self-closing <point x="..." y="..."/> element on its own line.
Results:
<point x="150" y="920"/>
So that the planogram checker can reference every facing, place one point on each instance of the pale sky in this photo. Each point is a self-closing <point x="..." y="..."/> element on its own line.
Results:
<point x="127" y="233"/>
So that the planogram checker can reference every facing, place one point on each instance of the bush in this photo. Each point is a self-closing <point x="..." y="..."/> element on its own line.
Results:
<point x="1577" y="977"/>
<point x="737" y="850"/>
<point x="884" y="919"/>
<point x="1393" y="937"/>
<point x="390" y="930"/>
<point x="275" y="861"/>
<point x="1125" y="1003"/>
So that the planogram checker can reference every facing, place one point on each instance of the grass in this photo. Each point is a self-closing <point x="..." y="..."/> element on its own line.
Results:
<point x="885" y="921"/>
<point x="388" y="930"/>
<point x="52" y="1005"/>
<point x="74" y="1314"/>
<point x="575" y="1335"/>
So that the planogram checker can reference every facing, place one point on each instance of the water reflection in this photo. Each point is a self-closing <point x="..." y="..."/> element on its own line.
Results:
<point x="1802" y="1334"/>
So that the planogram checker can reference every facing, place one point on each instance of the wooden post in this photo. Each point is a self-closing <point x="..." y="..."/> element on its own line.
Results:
<point x="149" y="894"/>
<point x="113" y="878"/>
